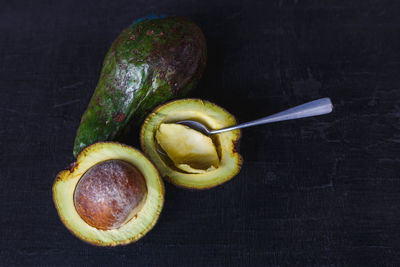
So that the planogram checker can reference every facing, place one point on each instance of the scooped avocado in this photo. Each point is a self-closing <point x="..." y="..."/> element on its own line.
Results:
<point x="112" y="195"/>
<point x="189" y="158"/>
<point x="152" y="61"/>
<point x="190" y="150"/>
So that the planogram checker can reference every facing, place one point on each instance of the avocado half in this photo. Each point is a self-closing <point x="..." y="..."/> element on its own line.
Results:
<point x="184" y="156"/>
<point x="112" y="195"/>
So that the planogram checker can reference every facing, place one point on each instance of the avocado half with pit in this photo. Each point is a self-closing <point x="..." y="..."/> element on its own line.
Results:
<point x="186" y="157"/>
<point x="112" y="195"/>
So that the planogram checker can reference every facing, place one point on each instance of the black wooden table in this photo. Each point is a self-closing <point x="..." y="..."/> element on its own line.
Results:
<point x="319" y="191"/>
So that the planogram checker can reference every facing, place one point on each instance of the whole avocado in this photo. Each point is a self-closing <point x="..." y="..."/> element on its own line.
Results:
<point x="154" y="60"/>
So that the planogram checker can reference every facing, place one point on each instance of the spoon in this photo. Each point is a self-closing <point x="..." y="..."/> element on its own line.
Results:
<point x="314" y="108"/>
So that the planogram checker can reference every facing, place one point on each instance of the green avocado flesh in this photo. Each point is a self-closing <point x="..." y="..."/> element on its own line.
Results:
<point x="152" y="61"/>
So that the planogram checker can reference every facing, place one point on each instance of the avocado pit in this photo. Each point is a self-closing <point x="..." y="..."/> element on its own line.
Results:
<point x="109" y="194"/>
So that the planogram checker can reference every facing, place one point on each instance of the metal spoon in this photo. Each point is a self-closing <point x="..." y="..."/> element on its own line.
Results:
<point x="314" y="108"/>
<point x="309" y="109"/>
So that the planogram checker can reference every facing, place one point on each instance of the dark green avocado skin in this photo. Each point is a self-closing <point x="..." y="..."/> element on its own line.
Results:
<point x="151" y="62"/>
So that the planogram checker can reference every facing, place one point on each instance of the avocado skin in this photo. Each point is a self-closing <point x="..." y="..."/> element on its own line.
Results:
<point x="154" y="60"/>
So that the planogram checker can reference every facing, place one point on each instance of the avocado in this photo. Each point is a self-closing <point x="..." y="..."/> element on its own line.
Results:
<point x="188" y="158"/>
<point x="112" y="195"/>
<point x="154" y="60"/>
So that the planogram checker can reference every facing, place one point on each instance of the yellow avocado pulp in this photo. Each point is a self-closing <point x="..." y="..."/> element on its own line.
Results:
<point x="219" y="159"/>
<point x="189" y="150"/>
<point x="146" y="205"/>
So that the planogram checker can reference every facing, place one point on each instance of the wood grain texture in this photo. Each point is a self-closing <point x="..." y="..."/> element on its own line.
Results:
<point x="319" y="191"/>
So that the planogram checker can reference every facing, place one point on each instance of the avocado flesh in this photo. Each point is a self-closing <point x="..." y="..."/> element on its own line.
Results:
<point x="142" y="222"/>
<point x="190" y="150"/>
<point x="212" y="116"/>
<point x="152" y="61"/>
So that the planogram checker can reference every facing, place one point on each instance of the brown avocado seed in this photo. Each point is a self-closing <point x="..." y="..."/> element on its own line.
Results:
<point x="109" y="194"/>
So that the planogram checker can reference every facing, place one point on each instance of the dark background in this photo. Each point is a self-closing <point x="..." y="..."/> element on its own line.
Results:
<point x="318" y="191"/>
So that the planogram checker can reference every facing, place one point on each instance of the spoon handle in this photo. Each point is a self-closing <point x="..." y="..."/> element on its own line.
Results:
<point x="309" y="109"/>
